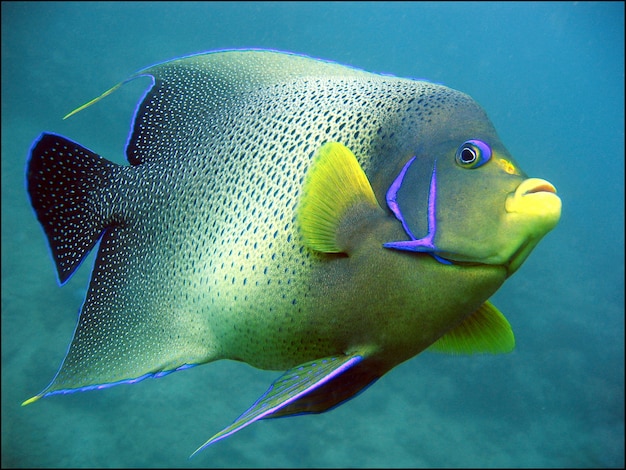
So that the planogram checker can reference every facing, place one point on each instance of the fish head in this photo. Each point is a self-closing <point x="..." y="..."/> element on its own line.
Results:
<point x="463" y="198"/>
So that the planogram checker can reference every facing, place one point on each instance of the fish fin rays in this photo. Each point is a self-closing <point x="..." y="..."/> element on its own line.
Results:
<point x="64" y="181"/>
<point x="335" y="195"/>
<point x="484" y="331"/>
<point x="313" y="387"/>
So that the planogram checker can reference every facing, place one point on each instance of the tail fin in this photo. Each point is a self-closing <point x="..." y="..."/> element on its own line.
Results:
<point x="66" y="185"/>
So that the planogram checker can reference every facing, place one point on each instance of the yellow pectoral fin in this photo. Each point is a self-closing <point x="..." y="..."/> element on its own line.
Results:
<point x="484" y="331"/>
<point x="334" y="184"/>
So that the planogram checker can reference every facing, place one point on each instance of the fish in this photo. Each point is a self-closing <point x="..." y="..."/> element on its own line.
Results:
<point x="291" y="213"/>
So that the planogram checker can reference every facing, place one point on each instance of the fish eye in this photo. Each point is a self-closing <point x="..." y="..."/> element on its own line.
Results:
<point x="473" y="154"/>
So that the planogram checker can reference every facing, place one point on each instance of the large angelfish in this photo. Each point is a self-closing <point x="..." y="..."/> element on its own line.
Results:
<point x="291" y="213"/>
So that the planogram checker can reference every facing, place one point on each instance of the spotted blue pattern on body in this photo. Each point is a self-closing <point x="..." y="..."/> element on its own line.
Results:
<point x="201" y="226"/>
<point x="264" y="217"/>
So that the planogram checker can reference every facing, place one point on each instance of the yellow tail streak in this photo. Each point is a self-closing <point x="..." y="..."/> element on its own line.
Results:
<point x="31" y="400"/>
<point x="95" y="100"/>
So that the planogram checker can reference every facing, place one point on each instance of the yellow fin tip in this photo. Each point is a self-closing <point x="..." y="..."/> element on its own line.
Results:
<point x="95" y="100"/>
<point x="31" y="400"/>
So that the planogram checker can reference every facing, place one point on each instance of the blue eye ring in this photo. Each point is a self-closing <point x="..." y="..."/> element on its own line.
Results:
<point x="473" y="154"/>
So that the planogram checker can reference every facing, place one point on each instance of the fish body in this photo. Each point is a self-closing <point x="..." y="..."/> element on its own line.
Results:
<point x="293" y="214"/>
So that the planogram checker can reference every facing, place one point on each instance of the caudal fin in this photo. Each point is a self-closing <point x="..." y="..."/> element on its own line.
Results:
<point x="66" y="185"/>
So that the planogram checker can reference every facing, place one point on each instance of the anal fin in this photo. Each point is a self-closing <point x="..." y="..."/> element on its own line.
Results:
<point x="302" y="390"/>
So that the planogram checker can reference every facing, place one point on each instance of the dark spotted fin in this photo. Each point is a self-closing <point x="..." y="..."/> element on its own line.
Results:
<point x="336" y="197"/>
<point x="484" y="331"/>
<point x="313" y="387"/>
<point x="65" y="184"/>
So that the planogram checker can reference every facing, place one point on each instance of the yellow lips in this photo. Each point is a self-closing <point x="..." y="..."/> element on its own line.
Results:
<point x="532" y="211"/>
<point x="536" y="197"/>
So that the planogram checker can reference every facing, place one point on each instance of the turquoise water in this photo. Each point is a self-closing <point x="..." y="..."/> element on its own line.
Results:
<point x="550" y="76"/>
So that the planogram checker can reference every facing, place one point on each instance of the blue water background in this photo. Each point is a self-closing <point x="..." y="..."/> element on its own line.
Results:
<point x="550" y="76"/>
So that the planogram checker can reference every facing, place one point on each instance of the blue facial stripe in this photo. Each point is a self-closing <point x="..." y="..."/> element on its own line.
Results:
<point x="392" y="195"/>
<point x="424" y="244"/>
<point x="440" y="259"/>
<point x="427" y="243"/>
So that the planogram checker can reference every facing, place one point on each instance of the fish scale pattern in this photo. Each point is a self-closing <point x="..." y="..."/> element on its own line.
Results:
<point x="208" y="243"/>
<point x="253" y="264"/>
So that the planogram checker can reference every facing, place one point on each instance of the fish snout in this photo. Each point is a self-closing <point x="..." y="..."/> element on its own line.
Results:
<point x="532" y="210"/>
<point x="537" y="199"/>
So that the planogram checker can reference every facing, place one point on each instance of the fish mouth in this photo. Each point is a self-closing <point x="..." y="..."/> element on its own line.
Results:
<point x="535" y="197"/>
<point x="532" y="210"/>
<point x="538" y="186"/>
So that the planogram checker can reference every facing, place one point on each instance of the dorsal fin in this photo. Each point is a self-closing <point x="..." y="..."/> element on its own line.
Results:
<point x="195" y="89"/>
<point x="93" y="101"/>
<point x="187" y="92"/>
